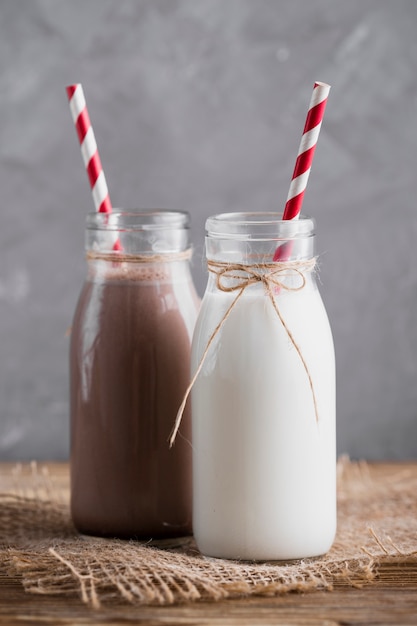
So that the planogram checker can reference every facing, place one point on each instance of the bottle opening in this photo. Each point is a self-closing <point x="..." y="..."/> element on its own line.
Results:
<point x="257" y="235"/>
<point x="137" y="219"/>
<point x="258" y="226"/>
<point x="138" y="231"/>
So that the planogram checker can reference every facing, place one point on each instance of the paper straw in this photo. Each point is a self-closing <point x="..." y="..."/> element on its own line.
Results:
<point x="305" y="156"/>
<point x="89" y="149"/>
<point x="89" y="152"/>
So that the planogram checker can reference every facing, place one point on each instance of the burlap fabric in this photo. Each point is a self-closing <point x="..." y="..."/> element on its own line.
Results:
<point x="377" y="524"/>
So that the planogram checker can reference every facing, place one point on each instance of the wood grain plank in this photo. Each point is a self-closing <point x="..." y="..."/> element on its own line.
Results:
<point x="341" y="607"/>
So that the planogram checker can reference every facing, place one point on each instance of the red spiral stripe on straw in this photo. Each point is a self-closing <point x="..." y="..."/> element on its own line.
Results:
<point x="89" y="149"/>
<point x="305" y="156"/>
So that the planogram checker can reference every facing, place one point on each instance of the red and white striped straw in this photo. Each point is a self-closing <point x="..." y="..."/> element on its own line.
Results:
<point x="89" y="149"/>
<point x="306" y="151"/>
<point x="305" y="156"/>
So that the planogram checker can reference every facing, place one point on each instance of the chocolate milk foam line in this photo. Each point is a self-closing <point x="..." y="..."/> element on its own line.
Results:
<point x="272" y="276"/>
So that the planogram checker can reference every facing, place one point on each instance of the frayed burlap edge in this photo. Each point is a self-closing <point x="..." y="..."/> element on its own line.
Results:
<point x="377" y="525"/>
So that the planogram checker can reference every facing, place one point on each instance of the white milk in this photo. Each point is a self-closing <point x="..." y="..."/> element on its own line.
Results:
<point x="264" y="468"/>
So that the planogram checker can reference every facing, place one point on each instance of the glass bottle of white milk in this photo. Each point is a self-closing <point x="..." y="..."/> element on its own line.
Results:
<point x="263" y="403"/>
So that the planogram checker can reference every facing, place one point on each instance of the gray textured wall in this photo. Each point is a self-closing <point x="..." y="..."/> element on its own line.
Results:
<point x="199" y="105"/>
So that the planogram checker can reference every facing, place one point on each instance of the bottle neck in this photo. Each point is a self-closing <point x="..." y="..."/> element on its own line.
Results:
<point x="138" y="234"/>
<point x="258" y="239"/>
<point x="151" y="246"/>
<point x="259" y="251"/>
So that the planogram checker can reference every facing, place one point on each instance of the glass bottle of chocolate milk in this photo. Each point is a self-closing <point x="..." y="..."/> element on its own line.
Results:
<point x="129" y="368"/>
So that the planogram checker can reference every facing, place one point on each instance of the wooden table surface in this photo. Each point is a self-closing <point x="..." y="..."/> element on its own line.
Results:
<point x="391" y="599"/>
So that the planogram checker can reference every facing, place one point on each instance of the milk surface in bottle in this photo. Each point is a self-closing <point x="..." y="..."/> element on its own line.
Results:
<point x="263" y="405"/>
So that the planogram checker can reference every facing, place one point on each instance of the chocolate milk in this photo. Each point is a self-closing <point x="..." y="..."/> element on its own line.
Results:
<point x="130" y="366"/>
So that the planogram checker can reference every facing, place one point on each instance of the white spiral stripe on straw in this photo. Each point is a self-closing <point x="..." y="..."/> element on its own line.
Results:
<point x="309" y="139"/>
<point x="99" y="190"/>
<point x="88" y="146"/>
<point x="77" y="103"/>
<point x="298" y="185"/>
<point x="320" y="93"/>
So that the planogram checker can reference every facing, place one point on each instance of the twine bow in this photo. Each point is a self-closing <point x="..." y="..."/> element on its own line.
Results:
<point x="238" y="277"/>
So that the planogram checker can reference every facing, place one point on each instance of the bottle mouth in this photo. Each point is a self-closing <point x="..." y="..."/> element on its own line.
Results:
<point x="132" y="220"/>
<point x="258" y="226"/>
<point x="138" y="232"/>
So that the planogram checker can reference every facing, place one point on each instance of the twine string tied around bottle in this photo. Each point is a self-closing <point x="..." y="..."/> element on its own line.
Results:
<point x="236" y="277"/>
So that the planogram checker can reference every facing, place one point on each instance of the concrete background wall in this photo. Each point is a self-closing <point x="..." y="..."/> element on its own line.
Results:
<point x="199" y="105"/>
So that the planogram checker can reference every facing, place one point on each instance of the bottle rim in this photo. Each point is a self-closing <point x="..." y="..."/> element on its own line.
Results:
<point x="252" y="225"/>
<point x="138" y="220"/>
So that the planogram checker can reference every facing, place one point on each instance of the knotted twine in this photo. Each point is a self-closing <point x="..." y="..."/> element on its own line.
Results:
<point x="237" y="277"/>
